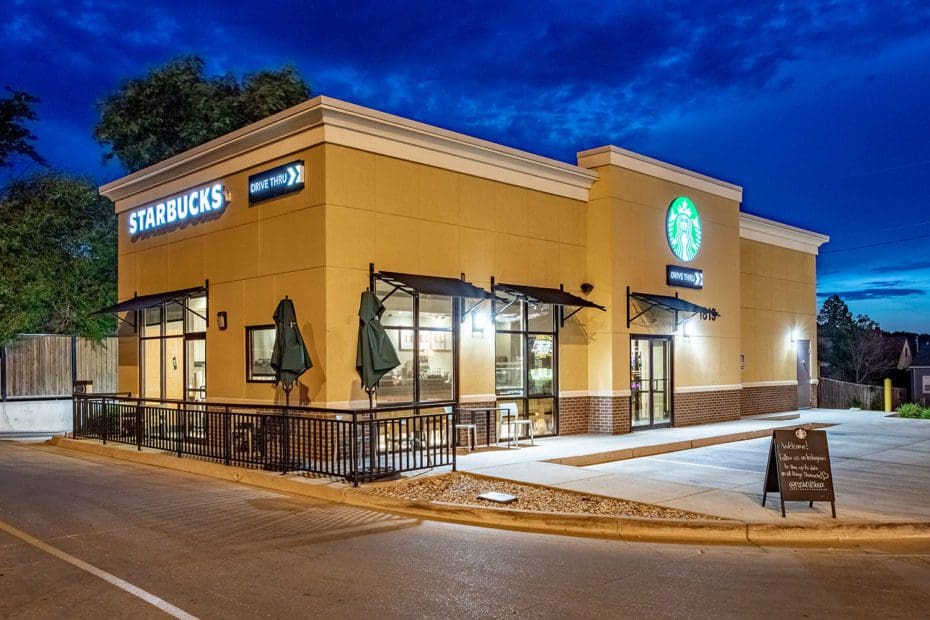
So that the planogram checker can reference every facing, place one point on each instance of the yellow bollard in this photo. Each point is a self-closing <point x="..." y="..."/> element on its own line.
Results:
<point x="887" y="395"/>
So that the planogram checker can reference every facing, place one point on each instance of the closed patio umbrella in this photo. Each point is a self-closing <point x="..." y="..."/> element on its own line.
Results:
<point x="290" y="358"/>
<point x="375" y="356"/>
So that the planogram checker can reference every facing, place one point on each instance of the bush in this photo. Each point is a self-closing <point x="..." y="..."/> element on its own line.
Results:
<point x="854" y="403"/>
<point x="913" y="410"/>
<point x="878" y="402"/>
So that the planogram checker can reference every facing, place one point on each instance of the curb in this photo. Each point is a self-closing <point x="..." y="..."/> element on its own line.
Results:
<point x="624" y="454"/>
<point x="633" y="529"/>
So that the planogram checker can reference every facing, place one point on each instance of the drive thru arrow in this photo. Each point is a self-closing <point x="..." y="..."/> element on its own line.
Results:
<point x="292" y="175"/>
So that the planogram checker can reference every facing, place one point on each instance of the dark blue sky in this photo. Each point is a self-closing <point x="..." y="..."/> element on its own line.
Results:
<point x="820" y="111"/>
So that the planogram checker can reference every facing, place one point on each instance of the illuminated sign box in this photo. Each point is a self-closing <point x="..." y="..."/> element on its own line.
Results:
<point x="275" y="182"/>
<point x="190" y="205"/>
<point x="685" y="277"/>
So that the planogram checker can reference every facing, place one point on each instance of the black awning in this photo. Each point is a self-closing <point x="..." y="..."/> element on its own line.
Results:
<point x="554" y="296"/>
<point x="669" y="303"/>
<point x="433" y="285"/>
<point x="147" y="301"/>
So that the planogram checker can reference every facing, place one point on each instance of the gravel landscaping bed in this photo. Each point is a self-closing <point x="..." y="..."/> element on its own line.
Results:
<point x="461" y="488"/>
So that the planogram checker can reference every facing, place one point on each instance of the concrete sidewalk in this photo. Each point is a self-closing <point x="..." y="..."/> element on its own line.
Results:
<point x="881" y="467"/>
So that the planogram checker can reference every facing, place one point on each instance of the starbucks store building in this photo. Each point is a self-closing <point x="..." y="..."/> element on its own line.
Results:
<point x="607" y="295"/>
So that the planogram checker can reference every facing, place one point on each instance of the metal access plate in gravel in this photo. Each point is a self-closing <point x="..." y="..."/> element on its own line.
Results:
<point x="461" y="488"/>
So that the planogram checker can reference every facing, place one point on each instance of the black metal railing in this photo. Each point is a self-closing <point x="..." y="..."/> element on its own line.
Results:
<point x="357" y="445"/>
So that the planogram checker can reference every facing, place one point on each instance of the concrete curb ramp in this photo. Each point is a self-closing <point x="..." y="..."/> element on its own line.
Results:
<point x="596" y="526"/>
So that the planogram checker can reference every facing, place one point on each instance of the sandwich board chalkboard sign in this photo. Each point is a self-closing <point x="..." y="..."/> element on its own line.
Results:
<point x="799" y="468"/>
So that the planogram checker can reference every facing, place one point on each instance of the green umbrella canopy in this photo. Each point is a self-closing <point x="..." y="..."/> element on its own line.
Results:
<point x="290" y="358"/>
<point x="375" y="356"/>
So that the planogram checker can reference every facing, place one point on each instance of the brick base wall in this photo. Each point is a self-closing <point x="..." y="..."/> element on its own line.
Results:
<point x="481" y="424"/>
<point x="609" y="414"/>
<point x="573" y="415"/>
<point x="770" y="398"/>
<point x="706" y="407"/>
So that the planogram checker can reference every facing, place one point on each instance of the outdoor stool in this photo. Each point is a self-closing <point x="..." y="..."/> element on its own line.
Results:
<point x="472" y="432"/>
<point x="529" y="430"/>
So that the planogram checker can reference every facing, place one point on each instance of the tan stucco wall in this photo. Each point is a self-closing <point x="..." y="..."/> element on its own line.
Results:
<point x="316" y="245"/>
<point x="251" y="256"/>
<point x="778" y="294"/>
<point x="413" y="218"/>
<point x="627" y="247"/>
<point x="360" y="207"/>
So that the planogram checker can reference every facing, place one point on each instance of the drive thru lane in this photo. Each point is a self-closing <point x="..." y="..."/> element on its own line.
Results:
<point x="213" y="549"/>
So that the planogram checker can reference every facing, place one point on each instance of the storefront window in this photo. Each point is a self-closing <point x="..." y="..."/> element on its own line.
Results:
<point x="539" y="317"/>
<point x="196" y="317"/>
<point x="539" y="365"/>
<point x="421" y="329"/>
<point x="173" y="350"/>
<point x="174" y="368"/>
<point x="174" y="320"/>
<point x="259" y="347"/>
<point x="525" y="360"/>
<point x="152" y="322"/>
<point x="151" y="368"/>
<point x="542" y="415"/>
<point x="508" y="364"/>
<point x="196" y="369"/>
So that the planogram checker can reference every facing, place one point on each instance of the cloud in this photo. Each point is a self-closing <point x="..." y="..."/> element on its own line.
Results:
<point x="917" y="264"/>
<point x="552" y="80"/>
<point x="877" y="292"/>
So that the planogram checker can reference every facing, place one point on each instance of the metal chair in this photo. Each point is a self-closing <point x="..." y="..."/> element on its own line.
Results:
<point x="470" y="429"/>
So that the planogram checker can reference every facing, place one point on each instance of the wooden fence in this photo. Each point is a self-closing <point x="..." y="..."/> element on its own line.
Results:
<point x="47" y="366"/>
<point x="833" y="394"/>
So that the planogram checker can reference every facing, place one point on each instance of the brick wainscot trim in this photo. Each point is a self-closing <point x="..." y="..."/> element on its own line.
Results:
<point x="594" y="414"/>
<point x="481" y="421"/>
<point x="758" y="399"/>
<point x="705" y="407"/>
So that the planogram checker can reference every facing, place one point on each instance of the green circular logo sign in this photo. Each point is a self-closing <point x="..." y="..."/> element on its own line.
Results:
<point x="683" y="229"/>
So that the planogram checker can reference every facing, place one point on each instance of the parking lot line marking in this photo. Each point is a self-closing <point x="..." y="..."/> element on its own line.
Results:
<point x="748" y="471"/>
<point x="122" y="584"/>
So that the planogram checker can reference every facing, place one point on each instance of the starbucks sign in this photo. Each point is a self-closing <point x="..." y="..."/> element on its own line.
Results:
<point x="683" y="229"/>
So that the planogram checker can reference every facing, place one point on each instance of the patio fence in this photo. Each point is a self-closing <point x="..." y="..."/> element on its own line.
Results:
<point x="357" y="445"/>
<point x="833" y="394"/>
<point x="48" y="366"/>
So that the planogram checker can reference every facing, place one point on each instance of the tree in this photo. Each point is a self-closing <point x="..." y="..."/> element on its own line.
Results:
<point x="176" y="107"/>
<point x="854" y="348"/>
<point x="871" y="353"/>
<point x="57" y="257"/>
<point x="15" y="137"/>
<point x="835" y="333"/>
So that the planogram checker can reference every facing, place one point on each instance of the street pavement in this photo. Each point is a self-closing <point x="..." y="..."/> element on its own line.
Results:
<point x="73" y="526"/>
<point x="881" y="469"/>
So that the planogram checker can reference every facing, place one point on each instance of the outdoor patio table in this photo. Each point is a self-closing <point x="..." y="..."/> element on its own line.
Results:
<point x="471" y="411"/>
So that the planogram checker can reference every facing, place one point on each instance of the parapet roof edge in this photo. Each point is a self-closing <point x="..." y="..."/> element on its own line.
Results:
<point x="322" y="110"/>
<point x="616" y="156"/>
<point x="768" y="231"/>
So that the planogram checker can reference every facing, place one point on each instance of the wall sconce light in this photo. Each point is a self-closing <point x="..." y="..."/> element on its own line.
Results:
<point x="794" y="334"/>
<point x="586" y="288"/>
<point x="479" y="322"/>
<point x="221" y="319"/>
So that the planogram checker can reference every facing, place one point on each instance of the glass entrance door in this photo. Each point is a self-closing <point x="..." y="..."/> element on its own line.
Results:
<point x="650" y="381"/>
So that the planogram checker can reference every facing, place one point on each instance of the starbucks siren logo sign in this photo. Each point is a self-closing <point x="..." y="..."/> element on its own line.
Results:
<point x="683" y="229"/>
